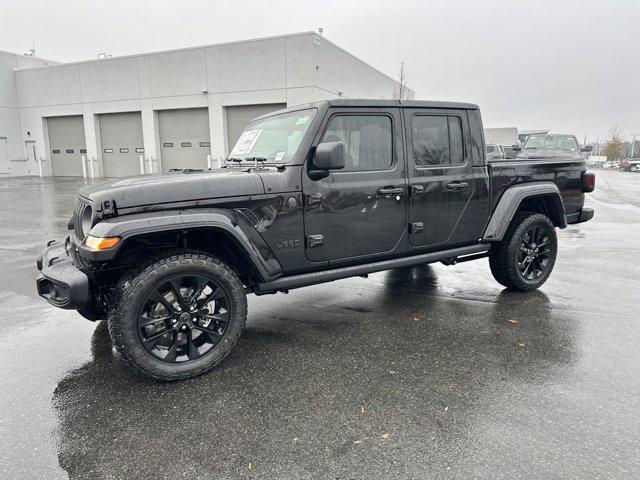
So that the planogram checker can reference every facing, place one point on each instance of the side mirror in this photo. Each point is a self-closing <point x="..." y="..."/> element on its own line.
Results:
<point x="517" y="148"/>
<point x="329" y="156"/>
<point x="587" y="148"/>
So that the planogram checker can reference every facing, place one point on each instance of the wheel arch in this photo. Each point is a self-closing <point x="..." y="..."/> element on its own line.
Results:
<point x="540" y="197"/>
<point x="223" y="233"/>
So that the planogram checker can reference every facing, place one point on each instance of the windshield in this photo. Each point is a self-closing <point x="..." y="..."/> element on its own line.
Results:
<point x="545" y="142"/>
<point x="274" y="139"/>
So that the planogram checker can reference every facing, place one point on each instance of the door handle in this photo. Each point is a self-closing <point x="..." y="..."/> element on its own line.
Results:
<point x="416" y="190"/>
<point x="390" y="191"/>
<point x="313" y="199"/>
<point x="454" y="186"/>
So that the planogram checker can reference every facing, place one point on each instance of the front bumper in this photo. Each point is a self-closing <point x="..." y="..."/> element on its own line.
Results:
<point x="61" y="283"/>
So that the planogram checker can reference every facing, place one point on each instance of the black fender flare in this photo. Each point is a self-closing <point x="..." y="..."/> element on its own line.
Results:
<point x="226" y="221"/>
<point x="510" y="201"/>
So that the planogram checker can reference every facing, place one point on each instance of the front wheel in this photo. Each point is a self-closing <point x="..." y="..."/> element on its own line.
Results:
<point x="179" y="317"/>
<point x="525" y="257"/>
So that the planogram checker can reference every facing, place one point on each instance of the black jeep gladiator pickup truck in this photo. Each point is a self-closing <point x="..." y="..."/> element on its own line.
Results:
<point x="308" y="194"/>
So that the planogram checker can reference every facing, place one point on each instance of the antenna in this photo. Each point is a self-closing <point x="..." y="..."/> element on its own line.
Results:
<point x="31" y="51"/>
<point x="320" y="30"/>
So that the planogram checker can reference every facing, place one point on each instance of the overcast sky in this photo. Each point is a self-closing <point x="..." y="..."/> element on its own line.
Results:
<point x="572" y="66"/>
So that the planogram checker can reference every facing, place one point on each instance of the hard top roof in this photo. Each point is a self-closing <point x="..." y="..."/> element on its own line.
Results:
<point x="378" y="103"/>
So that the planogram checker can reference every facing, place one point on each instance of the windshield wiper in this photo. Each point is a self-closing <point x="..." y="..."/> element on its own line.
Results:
<point x="233" y="160"/>
<point x="256" y="160"/>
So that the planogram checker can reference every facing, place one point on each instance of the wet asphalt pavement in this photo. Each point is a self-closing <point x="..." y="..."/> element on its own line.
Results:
<point x="431" y="372"/>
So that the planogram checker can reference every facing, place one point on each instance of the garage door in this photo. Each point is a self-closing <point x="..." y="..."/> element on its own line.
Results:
<point x="239" y="116"/>
<point x="67" y="145"/>
<point x="184" y="138"/>
<point x="121" y="142"/>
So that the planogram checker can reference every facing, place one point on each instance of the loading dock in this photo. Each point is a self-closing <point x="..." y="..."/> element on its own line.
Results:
<point x="121" y="143"/>
<point x="66" y="145"/>
<point x="184" y="138"/>
<point x="239" y="116"/>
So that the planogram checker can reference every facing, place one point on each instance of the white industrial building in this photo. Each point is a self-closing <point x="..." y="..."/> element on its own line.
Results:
<point x="174" y="107"/>
<point x="506" y="136"/>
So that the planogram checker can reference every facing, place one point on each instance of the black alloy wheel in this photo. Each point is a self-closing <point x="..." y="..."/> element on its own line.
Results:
<point x="524" y="258"/>
<point x="178" y="316"/>
<point x="183" y="318"/>
<point x="534" y="254"/>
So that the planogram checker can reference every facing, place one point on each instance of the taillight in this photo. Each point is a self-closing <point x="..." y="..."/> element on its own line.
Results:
<point x="588" y="182"/>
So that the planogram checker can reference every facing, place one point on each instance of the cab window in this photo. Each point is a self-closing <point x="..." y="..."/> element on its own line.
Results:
<point x="437" y="140"/>
<point x="367" y="141"/>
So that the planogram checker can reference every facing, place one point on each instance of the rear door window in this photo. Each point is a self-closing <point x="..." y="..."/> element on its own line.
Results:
<point x="437" y="140"/>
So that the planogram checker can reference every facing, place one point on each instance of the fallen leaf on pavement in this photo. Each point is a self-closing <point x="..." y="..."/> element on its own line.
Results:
<point x="415" y="318"/>
<point x="356" y="442"/>
<point x="446" y="408"/>
<point x="384" y="435"/>
<point x="250" y="466"/>
<point x="520" y="344"/>
<point x="512" y="322"/>
<point x="361" y="408"/>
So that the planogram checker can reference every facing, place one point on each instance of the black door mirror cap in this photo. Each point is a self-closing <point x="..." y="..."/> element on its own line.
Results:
<point x="329" y="156"/>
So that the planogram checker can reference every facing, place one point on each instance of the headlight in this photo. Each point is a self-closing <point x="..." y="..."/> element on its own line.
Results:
<point x="101" y="243"/>
<point x="86" y="220"/>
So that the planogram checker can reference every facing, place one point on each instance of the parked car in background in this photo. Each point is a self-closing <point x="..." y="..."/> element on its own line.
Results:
<point x="494" y="151"/>
<point x="629" y="165"/>
<point x="510" y="152"/>
<point x="633" y="166"/>
<point x="541" y="147"/>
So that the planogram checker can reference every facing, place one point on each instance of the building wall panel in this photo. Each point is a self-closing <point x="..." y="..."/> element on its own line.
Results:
<point x="178" y="73"/>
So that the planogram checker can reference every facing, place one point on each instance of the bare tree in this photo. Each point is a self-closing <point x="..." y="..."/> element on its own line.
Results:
<point x="400" y="90"/>
<point x="613" y="148"/>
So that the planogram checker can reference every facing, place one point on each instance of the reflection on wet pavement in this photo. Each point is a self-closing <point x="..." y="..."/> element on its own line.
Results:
<point x="468" y="380"/>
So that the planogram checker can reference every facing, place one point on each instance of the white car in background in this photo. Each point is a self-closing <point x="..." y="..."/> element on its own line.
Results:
<point x="495" y="151"/>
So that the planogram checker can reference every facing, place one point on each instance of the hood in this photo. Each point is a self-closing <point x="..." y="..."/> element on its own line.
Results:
<point x="544" y="154"/>
<point x="174" y="187"/>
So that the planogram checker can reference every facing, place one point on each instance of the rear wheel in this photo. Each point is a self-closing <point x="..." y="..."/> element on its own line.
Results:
<point x="525" y="257"/>
<point x="179" y="317"/>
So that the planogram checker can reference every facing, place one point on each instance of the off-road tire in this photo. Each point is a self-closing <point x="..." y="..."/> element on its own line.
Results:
<point x="496" y="270"/>
<point x="131" y="292"/>
<point x="503" y="257"/>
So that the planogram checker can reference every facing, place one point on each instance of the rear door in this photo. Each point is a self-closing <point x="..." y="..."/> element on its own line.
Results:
<point x="441" y="176"/>
<point x="360" y="211"/>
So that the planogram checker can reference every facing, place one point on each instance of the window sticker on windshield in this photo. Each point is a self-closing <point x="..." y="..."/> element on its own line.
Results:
<point x="301" y="121"/>
<point x="279" y="156"/>
<point x="246" y="142"/>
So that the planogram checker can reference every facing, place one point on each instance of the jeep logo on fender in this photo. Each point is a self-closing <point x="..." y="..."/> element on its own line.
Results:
<point x="288" y="243"/>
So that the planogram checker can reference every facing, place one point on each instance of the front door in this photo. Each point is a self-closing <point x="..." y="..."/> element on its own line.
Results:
<point x="441" y="175"/>
<point x="361" y="210"/>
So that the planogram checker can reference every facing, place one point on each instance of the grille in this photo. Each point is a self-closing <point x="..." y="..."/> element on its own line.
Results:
<point x="81" y="206"/>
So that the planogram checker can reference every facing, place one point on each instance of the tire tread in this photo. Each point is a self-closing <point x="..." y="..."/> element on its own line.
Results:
<point x="132" y="279"/>
<point x="501" y="257"/>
